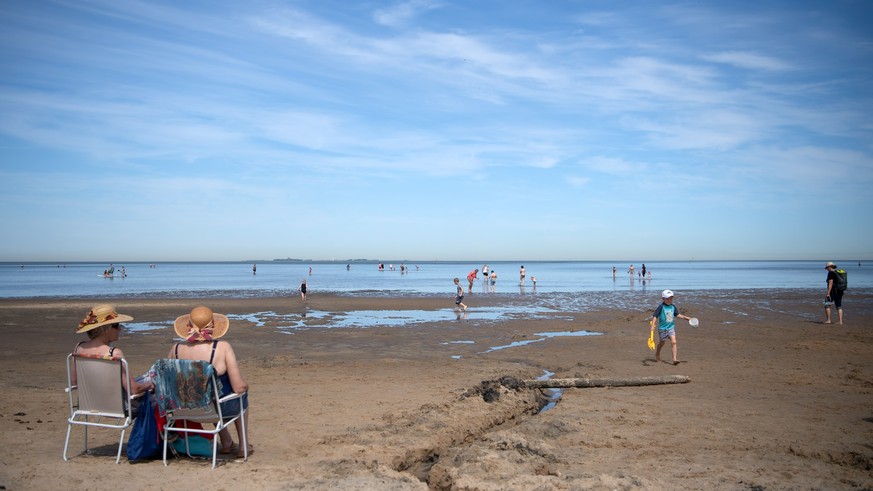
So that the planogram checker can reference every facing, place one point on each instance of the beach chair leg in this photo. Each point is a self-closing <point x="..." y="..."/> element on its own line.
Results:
<point x="120" y="443"/>
<point x="86" y="436"/>
<point x="245" y="434"/>
<point x="67" y="441"/>
<point x="165" y="443"/>
<point x="214" y="449"/>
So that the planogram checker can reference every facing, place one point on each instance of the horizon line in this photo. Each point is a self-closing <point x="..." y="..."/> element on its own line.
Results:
<point x="521" y="261"/>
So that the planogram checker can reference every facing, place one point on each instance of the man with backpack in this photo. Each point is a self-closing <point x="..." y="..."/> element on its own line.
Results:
<point x="837" y="282"/>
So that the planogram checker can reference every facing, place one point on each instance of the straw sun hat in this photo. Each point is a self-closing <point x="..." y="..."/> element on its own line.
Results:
<point x="100" y="315"/>
<point x="201" y="325"/>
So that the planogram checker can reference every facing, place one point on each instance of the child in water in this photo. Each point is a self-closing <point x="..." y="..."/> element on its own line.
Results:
<point x="459" y="297"/>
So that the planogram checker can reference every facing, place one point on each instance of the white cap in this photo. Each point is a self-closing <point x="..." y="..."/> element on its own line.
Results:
<point x="666" y="294"/>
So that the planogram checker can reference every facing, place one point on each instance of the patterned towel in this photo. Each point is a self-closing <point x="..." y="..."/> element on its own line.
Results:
<point x="182" y="384"/>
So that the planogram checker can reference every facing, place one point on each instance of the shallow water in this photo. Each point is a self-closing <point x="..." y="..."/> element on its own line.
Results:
<point x="389" y="318"/>
<point x="543" y="337"/>
<point x="554" y="395"/>
<point x="741" y="306"/>
<point x="234" y="279"/>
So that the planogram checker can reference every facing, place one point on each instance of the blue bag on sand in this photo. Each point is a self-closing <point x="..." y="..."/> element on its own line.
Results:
<point x="198" y="446"/>
<point x="145" y="439"/>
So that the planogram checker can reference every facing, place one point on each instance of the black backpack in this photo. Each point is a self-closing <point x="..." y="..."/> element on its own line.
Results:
<point x="841" y="282"/>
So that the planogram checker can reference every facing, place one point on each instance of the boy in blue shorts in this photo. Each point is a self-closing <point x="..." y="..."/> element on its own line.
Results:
<point x="664" y="317"/>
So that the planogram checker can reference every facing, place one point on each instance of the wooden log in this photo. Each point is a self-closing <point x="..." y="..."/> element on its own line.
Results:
<point x="564" y="383"/>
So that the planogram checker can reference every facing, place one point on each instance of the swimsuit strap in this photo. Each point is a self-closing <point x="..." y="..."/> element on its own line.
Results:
<point x="211" y="356"/>
<point x="214" y="344"/>
<point x="76" y="351"/>
<point x="111" y="350"/>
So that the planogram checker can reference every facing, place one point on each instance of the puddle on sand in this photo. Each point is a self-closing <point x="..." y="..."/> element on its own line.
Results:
<point x="146" y="326"/>
<point x="544" y="336"/>
<point x="554" y="395"/>
<point x="282" y="321"/>
<point x="567" y="334"/>
<point x="313" y="319"/>
<point x="373" y="318"/>
<point x="255" y="317"/>
<point x="389" y="318"/>
<point x="512" y="345"/>
<point x="356" y="318"/>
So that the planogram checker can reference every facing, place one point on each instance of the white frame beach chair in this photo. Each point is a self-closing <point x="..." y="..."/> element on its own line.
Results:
<point x="98" y="396"/>
<point x="210" y="412"/>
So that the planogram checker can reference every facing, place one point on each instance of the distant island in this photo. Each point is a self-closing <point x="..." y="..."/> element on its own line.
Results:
<point x="293" y="260"/>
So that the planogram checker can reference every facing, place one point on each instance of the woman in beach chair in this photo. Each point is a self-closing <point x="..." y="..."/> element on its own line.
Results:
<point x="101" y="392"/>
<point x="201" y="329"/>
<point x="102" y="324"/>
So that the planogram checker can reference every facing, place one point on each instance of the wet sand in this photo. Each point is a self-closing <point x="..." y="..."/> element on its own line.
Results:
<point x="777" y="399"/>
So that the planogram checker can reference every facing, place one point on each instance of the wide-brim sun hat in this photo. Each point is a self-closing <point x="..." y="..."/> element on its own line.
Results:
<point x="830" y="265"/>
<point x="101" y="315"/>
<point x="202" y="324"/>
<point x="666" y="294"/>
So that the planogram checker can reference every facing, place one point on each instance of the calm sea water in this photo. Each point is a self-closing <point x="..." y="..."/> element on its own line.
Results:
<point x="426" y="278"/>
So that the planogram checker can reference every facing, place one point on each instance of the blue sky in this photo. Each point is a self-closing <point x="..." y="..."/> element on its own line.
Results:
<point x="425" y="129"/>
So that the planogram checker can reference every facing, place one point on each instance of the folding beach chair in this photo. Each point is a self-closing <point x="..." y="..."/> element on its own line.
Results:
<point x="189" y="390"/>
<point x="98" y="398"/>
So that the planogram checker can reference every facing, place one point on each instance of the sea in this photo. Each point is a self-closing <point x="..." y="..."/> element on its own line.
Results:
<point x="744" y="290"/>
<point x="283" y="278"/>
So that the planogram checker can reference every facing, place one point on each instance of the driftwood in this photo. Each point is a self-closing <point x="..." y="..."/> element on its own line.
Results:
<point x="563" y="383"/>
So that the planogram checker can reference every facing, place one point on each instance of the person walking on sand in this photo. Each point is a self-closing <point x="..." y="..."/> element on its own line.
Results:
<point x="521" y="275"/>
<point x="834" y="294"/>
<point x="459" y="297"/>
<point x="471" y="278"/>
<point x="303" y="290"/>
<point x="664" y="317"/>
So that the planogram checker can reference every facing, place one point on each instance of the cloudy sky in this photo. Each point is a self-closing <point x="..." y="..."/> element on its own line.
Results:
<point x="428" y="129"/>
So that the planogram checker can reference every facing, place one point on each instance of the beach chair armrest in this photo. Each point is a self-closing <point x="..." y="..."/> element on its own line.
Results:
<point x="231" y="396"/>
<point x="70" y="389"/>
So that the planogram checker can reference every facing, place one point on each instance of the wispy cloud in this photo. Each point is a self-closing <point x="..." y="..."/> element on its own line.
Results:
<point x="403" y="12"/>
<point x="747" y="60"/>
<point x="338" y="99"/>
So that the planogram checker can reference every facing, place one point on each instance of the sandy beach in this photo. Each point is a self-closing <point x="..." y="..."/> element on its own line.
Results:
<point x="777" y="399"/>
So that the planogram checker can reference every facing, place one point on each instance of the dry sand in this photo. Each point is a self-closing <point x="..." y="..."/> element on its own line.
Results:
<point x="777" y="400"/>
